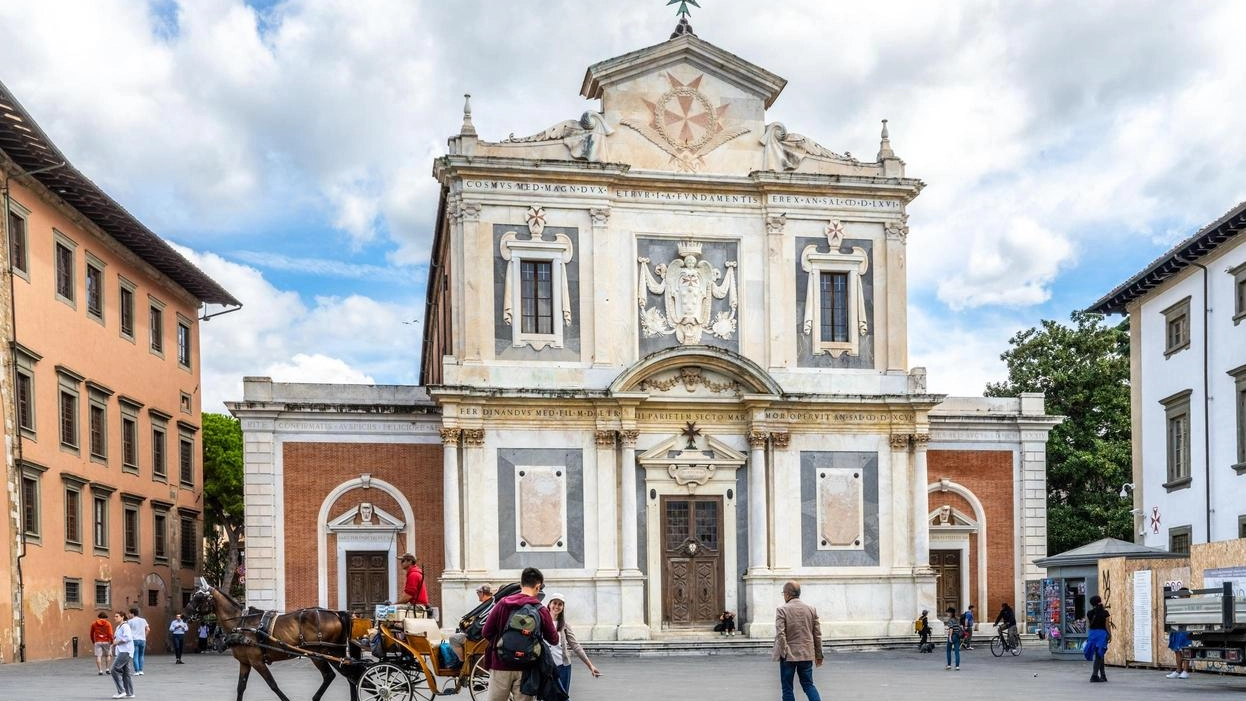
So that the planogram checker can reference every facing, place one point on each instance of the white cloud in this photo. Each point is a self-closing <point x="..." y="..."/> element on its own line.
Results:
<point x="337" y="339"/>
<point x="960" y="355"/>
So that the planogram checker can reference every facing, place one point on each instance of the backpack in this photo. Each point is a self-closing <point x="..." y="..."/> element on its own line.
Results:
<point x="520" y="641"/>
<point x="917" y="626"/>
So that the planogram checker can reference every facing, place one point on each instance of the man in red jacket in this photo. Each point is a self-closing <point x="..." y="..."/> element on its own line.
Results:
<point x="413" y="590"/>
<point x="504" y="678"/>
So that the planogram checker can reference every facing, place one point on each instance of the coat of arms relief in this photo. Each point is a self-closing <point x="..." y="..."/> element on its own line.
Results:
<point x="688" y="286"/>
<point x="684" y="123"/>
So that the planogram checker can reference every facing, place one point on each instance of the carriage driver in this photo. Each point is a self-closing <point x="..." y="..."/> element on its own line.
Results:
<point x="414" y="591"/>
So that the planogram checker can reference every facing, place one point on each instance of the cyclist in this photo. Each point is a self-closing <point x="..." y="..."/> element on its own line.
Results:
<point x="1007" y="622"/>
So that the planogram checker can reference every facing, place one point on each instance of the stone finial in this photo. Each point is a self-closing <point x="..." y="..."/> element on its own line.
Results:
<point x="682" y="28"/>
<point x="468" y="129"/>
<point x="884" y="146"/>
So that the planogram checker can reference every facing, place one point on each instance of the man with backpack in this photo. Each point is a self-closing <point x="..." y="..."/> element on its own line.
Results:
<point x="515" y="627"/>
<point x="922" y="627"/>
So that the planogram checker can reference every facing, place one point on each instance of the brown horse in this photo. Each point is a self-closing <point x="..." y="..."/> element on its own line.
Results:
<point x="313" y="629"/>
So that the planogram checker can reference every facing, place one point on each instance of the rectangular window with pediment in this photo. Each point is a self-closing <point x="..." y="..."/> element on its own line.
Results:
<point x="834" y="303"/>
<point x="535" y="282"/>
<point x="1177" y="327"/>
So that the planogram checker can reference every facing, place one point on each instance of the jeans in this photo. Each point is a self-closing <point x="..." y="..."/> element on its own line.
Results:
<point x="564" y="677"/>
<point x="140" y="652"/>
<point x="804" y="671"/>
<point x="179" y="640"/>
<point x="121" y="674"/>
<point x="953" y="643"/>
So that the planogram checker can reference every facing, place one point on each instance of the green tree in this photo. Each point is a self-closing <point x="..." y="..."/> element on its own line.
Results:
<point x="222" y="496"/>
<point x="1083" y="369"/>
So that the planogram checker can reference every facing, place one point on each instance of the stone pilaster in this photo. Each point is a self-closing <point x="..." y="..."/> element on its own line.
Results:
<point x="757" y="531"/>
<point x="921" y="503"/>
<point x="891" y="346"/>
<point x="452" y="518"/>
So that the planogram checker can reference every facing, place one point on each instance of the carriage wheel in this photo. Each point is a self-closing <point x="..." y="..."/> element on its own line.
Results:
<point x="478" y="682"/>
<point x="388" y="682"/>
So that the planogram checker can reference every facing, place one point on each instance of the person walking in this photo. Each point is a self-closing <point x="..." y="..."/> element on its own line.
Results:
<point x="797" y="643"/>
<point x="954" y="635"/>
<point x="561" y="651"/>
<point x="177" y="629"/>
<point x="138" y="630"/>
<point x="123" y="648"/>
<point x="923" y="630"/>
<point x="413" y="591"/>
<point x="101" y="640"/>
<point x="505" y="677"/>
<point x="1097" y="638"/>
<point x="967" y="620"/>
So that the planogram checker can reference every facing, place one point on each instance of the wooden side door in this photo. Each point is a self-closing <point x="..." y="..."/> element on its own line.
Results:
<point x="693" y="589"/>
<point x="367" y="580"/>
<point x="946" y="564"/>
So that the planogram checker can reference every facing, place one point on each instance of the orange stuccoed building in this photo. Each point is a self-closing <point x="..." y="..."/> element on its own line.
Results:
<point x="102" y="506"/>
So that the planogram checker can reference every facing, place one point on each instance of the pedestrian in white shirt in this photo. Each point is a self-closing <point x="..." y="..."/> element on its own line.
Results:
<point x="178" y="628"/>
<point x="139" y="630"/>
<point x="123" y="648"/>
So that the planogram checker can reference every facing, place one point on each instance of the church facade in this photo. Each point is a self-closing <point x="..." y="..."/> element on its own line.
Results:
<point x="665" y="359"/>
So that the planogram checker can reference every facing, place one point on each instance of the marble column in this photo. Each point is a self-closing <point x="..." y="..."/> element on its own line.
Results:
<point x="627" y="511"/>
<point x="921" y="502"/>
<point x="452" y="522"/>
<point x="757" y="535"/>
<point x="904" y="542"/>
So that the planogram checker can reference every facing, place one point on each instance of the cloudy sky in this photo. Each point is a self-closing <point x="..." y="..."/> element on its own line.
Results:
<point x="286" y="147"/>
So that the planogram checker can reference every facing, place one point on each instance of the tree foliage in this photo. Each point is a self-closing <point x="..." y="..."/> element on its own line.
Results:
<point x="223" y="496"/>
<point x="1083" y="369"/>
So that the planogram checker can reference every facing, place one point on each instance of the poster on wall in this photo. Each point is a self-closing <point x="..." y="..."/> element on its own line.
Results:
<point x="1215" y="579"/>
<point x="1142" y="616"/>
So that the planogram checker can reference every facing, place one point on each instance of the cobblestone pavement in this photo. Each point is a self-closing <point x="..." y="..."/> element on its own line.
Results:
<point x="873" y="676"/>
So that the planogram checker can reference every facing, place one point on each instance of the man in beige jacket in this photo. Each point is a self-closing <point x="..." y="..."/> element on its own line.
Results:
<point x="797" y="643"/>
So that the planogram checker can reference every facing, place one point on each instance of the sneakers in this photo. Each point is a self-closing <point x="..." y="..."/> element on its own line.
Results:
<point x="138" y="674"/>
<point x="948" y="668"/>
<point x="179" y="662"/>
<point x="958" y="668"/>
<point x="1183" y="675"/>
<point x="118" y="696"/>
<point x="1173" y="675"/>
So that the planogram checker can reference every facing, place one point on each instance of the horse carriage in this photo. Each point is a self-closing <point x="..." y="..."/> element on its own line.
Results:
<point x="400" y="661"/>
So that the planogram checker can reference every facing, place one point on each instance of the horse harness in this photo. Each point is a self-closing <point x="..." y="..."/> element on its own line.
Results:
<point x="261" y="633"/>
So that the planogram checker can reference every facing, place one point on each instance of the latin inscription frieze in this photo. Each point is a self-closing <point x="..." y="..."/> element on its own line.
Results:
<point x="346" y="426"/>
<point x="833" y="202"/>
<point x="838" y="417"/>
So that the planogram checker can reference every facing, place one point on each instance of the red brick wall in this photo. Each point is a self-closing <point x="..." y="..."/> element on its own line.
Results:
<point x="312" y="470"/>
<point x="988" y="474"/>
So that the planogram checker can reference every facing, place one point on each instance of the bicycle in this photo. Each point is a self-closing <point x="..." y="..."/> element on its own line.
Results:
<point x="1005" y="642"/>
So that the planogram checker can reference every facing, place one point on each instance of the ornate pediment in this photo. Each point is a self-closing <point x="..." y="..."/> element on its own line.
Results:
<point x="691" y="460"/>
<point x="365" y="516"/>
<point x="690" y="382"/>
<point x="946" y="517"/>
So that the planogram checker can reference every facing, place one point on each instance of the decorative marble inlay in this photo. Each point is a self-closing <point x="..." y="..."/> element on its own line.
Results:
<point x="540" y="508"/>
<point x="841" y="509"/>
<point x="473" y="437"/>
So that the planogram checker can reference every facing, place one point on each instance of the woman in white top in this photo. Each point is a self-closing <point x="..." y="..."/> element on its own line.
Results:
<point x="556" y="603"/>
<point x="123" y="648"/>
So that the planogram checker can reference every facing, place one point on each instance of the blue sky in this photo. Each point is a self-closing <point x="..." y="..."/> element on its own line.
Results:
<point x="286" y="145"/>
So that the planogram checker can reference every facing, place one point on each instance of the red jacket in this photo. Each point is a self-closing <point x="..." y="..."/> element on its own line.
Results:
<point x="101" y="631"/>
<point x="495" y="624"/>
<point x="415" y="586"/>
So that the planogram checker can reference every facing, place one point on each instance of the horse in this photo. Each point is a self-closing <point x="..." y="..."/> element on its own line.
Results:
<point x="312" y="629"/>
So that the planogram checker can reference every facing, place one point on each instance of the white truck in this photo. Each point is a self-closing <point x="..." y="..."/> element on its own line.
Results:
<point x="1215" y="620"/>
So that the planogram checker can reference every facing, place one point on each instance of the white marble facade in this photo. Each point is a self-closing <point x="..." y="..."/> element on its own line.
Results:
<point x="686" y="244"/>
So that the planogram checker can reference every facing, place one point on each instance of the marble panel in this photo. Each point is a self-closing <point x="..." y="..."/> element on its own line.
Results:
<point x="840" y="504"/>
<point x="814" y="463"/>
<point x="717" y="252"/>
<point x="571" y="461"/>
<point x="540" y="508"/>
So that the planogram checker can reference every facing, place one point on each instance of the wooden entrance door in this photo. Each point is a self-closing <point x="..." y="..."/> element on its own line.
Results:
<point x="367" y="580"/>
<point x="946" y="564"/>
<point x="692" y="564"/>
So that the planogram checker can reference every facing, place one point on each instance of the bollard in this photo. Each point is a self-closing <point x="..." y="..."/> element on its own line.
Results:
<point x="75" y="643"/>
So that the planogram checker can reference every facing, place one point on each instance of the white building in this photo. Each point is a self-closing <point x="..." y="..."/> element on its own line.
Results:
<point x="1188" y="363"/>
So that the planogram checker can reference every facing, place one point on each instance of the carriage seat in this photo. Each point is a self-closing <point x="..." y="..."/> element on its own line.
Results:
<point x="423" y="627"/>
